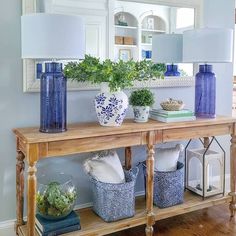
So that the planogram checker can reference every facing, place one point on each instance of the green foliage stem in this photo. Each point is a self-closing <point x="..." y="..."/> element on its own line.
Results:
<point x="119" y="75"/>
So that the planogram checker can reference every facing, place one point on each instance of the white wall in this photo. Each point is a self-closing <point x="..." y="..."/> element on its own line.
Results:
<point x="18" y="109"/>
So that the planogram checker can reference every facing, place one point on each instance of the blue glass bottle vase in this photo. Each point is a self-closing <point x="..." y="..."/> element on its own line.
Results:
<point x="53" y="99"/>
<point x="172" y="70"/>
<point x="205" y="92"/>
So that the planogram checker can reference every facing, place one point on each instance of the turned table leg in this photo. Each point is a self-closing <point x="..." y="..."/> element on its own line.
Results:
<point x="20" y="167"/>
<point x="32" y="186"/>
<point x="31" y="199"/>
<point x="128" y="158"/>
<point x="232" y="205"/>
<point x="149" y="185"/>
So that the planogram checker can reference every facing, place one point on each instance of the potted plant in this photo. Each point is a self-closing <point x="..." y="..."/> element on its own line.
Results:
<point x="111" y="103"/>
<point x="141" y="100"/>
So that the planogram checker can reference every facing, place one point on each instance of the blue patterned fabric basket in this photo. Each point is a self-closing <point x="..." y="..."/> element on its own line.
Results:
<point x="113" y="202"/>
<point x="168" y="186"/>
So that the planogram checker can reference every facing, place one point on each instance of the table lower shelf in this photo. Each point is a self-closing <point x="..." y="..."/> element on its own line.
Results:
<point x="93" y="225"/>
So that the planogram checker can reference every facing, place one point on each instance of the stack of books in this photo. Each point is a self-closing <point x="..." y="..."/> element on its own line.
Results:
<point x="46" y="227"/>
<point x="172" y="116"/>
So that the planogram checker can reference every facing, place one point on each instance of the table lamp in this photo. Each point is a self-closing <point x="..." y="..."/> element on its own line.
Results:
<point x="51" y="37"/>
<point x="167" y="48"/>
<point x="207" y="45"/>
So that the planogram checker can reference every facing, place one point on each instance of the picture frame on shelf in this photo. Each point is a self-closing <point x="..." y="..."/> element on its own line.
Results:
<point x="125" y="54"/>
<point x="150" y="23"/>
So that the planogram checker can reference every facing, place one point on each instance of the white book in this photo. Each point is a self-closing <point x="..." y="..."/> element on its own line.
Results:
<point x="172" y="119"/>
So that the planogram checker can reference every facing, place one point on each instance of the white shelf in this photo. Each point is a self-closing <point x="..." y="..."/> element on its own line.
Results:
<point x="153" y="30"/>
<point x="126" y="27"/>
<point x="146" y="44"/>
<point x="125" y="45"/>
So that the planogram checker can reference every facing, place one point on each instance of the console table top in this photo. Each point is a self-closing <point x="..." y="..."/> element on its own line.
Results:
<point x="93" y="129"/>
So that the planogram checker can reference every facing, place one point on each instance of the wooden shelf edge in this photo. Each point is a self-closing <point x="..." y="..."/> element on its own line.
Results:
<point x="93" y="225"/>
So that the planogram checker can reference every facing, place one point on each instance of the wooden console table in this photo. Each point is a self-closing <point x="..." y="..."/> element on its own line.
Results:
<point x="33" y="146"/>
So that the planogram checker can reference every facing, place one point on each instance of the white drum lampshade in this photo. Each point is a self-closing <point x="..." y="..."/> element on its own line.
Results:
<point x="208" y="45"/>
<point x="52" y="36"/>
<point x="167" y="48"/>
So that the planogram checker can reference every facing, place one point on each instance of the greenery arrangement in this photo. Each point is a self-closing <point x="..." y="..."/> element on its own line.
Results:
<point x="141" y="97"/>
<point x="119" y="75"/>
<point x="148" y="70"/>
<point x="53" y="202"/>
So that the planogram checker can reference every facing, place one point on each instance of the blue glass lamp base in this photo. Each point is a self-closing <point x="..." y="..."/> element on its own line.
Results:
<point x="205" y="92"/>
<point x="53" y="99"/>
<point x="172" y="70"/>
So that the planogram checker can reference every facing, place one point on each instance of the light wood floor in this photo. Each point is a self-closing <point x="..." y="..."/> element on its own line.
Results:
<point x="213" y="221"/>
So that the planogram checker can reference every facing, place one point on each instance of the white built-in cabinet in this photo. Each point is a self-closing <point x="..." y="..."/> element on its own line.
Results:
<point x="95" y="15"/>
<point x="101" y="19"/>
<point x="143" y="20"/>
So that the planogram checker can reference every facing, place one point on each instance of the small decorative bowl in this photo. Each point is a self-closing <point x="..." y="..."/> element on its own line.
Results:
<point x="172" y="105"/>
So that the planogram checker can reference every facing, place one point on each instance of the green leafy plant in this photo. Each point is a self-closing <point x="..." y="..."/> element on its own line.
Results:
<point x="54" y="202"/>
<point x="118" y="75"/>
<point x="141" y="97"/>
<point x="148" y="70"/>
<point x="87" y="70"/>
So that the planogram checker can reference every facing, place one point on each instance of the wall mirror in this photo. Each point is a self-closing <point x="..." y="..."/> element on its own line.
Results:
<point x="119" y="29"/>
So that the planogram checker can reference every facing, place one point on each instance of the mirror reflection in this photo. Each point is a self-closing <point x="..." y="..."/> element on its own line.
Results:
<point x="129" y="34"/>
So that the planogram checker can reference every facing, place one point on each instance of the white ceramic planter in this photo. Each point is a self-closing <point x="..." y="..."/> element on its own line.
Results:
<point x="110" y="107"/>
<point x="141" y="113"/>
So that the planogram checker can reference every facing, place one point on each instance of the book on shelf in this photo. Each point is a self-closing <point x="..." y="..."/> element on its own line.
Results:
<point x="45" y="225"/>
<point x="172" y="119"/>
<point x="60" y="231"/>
<point x="184" y="112"/>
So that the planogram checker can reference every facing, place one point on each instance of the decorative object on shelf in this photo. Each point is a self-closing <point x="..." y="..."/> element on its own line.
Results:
<point x="172" y="116"/>
<point x="128" y="40"/>
<point x="56" y="196"/>
<point x="172" y="70"/>
<point x="148" y="54"/>
<point x="166" y="159"/>
<point x="172" y="105"/>
<point x="208" y="167"/>
<point x="167" y="48"/>
<point x="41" y="39"/>
<point x="168" y="177"/>
<point x="150" y="23"/>
<point x="46" y="227"/>
<point x="141" y="100"/>
<point x="125" y="54"/>
<point x="39" y="70"/>
<point x="111" y="107"/>
<point x="113" y="202"/>
<point x="105" y="166"/>
<point x="200" y="45"/>
<point x="111" y="103"/>
<point x="119" y="40"/>
<point x="122" y="19"/>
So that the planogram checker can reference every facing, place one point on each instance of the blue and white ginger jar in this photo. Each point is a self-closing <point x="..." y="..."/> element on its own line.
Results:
<point x="110" y="107"/>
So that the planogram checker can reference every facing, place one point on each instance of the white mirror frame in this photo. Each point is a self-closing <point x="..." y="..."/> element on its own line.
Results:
<point x="31" y="84"/>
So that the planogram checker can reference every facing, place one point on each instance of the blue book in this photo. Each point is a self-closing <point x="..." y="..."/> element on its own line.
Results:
<point x="45" y="225"/>
<point x="58" y="231"/>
